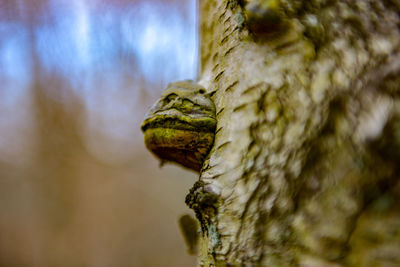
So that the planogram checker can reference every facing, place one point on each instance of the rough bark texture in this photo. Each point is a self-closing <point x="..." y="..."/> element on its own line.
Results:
<point x="303" y="171"/>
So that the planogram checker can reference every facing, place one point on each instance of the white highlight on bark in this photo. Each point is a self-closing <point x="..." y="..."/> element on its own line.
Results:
<point x="372" y="122"/>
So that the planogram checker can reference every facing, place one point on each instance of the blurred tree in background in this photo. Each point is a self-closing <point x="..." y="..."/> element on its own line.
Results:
<point x="77" y="187"/>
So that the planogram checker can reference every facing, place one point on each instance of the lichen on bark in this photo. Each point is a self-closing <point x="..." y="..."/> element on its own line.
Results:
<point x="299" y="167"/>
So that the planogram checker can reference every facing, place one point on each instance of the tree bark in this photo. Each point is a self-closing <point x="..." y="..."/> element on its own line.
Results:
<point x="303" y="170"/>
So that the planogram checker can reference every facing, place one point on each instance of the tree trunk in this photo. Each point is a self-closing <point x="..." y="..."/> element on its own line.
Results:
<point x="303" y="170"/>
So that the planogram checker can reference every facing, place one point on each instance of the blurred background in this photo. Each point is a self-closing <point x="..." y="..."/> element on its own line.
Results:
<point x="77" y="186"/>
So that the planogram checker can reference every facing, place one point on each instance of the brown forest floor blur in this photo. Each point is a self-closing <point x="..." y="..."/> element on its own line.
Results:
<point x="62" y="206"/>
